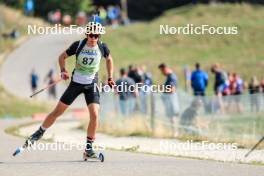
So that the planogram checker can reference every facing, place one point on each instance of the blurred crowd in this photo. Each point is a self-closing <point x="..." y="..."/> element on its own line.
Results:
<point x="111" y="15"/>
<point x="228" y="87"/>
<point x="49" y="78"/>
<point x="128" y="100"/>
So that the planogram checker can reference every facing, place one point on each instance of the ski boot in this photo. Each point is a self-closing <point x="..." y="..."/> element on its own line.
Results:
<point x="89" y="153"/>
<point x="34" y="137"/>
<point x="30" y="141"/>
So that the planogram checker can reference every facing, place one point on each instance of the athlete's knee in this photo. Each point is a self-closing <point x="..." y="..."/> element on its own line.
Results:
<point x="94" y="112"/>
<point x="93" y="116"/>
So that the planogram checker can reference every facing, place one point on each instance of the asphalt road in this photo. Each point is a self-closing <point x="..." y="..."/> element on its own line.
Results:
<point x="41" y="53"/>
<point x="116" y="163"/>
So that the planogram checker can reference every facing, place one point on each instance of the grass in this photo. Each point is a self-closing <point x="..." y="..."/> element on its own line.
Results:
<point x="131" y="126"/>
<point x="240" y="129"/>
<point x="11" y="106"/>
<point x="243" y="129"/>
<point x="13" y="19"/>
<point x="141" y="43"/>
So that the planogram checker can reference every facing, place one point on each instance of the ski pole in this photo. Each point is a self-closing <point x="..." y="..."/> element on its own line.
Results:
<point x="255" y="146"/>
<point x="47" y="87"/>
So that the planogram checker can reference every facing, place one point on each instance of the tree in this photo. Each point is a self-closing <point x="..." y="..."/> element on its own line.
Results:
<point x="86" y="6"/>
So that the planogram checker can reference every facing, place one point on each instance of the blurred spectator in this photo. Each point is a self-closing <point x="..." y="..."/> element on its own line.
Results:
<point x="219" y="85"/>
<point x="220" y="79"/>
<point x="262" y="84"/>
<point x="199" y="81"/>
<point x="227" y="92"/>
<point x="113" y="14"/>
<point x="124" y="13"/>
<point x="29" y="7"/>
<point x="50" y="78"/>
<point x="55" y="17"/>
<point x="147" y="77"/>
<point x="170" y="97"/>
<point x="33" y="81"/>
<point x="239" y="85"/>
<point x="228" y="84"/>
<point x="102" y="15"/>
<point x="254" y="90"/>
<point x="134" y="74"/>
<point x="67" y="20"/>
<point x="81" y="19"/>
<point x="233" y="89"/>
<point x="145" y="91"/>
<point x="126" y="97"/>
<point x="14" y="34"/>
<point x="262" y="87"/>
<point x="237" y="91"/>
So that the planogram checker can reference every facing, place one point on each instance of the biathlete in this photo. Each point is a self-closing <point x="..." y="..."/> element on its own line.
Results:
<point x="89" y="52"/>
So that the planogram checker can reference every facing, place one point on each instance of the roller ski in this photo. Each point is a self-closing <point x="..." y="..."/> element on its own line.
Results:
<point x="93" y="157"/>
<point x="90" y="154"/>
<point x="30" y="141"/>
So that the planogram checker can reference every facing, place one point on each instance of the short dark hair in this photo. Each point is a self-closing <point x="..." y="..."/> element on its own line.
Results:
<point x="122" y="71"/>
<point x="162" y="65"/>
<point x="197" y="65"/>
<point x="130" y="67"/>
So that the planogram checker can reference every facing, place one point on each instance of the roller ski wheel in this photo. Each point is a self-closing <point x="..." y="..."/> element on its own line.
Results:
<point x="93" y="157"/>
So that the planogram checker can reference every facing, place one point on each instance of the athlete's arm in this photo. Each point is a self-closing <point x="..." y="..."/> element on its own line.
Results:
<point x="64" y="73"/>
<point x="109" y="66"/>
<point x="62" y="58"/>
<point x="69" y="52"/>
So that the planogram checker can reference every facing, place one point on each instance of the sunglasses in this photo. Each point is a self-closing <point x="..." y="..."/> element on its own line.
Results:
<point x="96" y="36"/>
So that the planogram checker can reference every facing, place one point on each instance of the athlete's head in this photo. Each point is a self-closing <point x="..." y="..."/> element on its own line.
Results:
<point x="92" y="39"/>
<point x="93" y="31"/>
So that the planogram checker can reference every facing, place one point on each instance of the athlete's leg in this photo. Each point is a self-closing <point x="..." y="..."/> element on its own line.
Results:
<point x="93" y="123"/>
<point x="67" y="98"/>
<point x="91" y="129"/>
<point x="50" y="119"/>
<point x="92" y="98"/>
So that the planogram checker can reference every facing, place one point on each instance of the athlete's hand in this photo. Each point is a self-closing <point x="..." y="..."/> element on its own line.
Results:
<point x="111" y="82"/>
<point x="64" y="74"/>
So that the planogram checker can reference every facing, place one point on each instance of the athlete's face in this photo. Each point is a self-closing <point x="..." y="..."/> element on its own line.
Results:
<point x="92" y="39"/>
